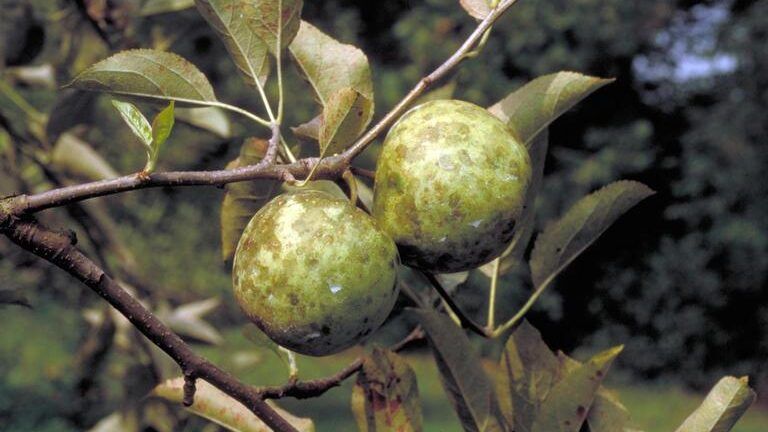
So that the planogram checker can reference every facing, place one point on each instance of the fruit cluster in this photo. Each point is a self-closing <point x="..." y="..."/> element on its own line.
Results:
<point x="318" y="275"/>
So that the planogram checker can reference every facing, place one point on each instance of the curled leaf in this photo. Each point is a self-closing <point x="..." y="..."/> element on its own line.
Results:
<point x="728" y="400"/>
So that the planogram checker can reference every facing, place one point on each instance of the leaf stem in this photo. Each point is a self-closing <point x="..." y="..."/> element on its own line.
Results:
<point x="492" y="295"/>
<point x="454" y="308"/>
<point x="515" y="320"/>
<point x="241" y="111"/>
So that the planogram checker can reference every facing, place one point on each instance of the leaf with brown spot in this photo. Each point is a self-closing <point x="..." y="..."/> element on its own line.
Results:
<point x="385" y="396"/>
<point x="566" y="407"/>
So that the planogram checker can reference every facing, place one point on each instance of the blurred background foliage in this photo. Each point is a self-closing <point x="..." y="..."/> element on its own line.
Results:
<point x="681" y="280"/>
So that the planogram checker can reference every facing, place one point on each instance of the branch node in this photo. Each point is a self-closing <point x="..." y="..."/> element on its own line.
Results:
<point x="189" y="389"/>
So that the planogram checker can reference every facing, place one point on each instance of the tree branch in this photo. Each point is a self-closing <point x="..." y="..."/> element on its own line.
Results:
<point x="59" y="249"/>
<point x="316" y="387"/>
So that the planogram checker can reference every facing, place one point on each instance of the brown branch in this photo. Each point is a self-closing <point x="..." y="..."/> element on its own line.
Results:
<point x="59" y="249"/>
<point x="464" y="319"/>
<point x="362" y="172"/>
<point x="314" y="388"/>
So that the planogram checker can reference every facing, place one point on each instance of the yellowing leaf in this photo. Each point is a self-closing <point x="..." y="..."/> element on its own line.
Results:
<point x="341" y="77"/>
<point x="218" y="407"/>
<point x="728" y="400"/>
<point x="148" y="74"/>
<point x="569" y="401"/>
<point x="477" y="8"/>
<point x="530" y="109"/>
<point x="385" y="396"/>
<point x="345" y="117"/>
<point x="276" y="20"/>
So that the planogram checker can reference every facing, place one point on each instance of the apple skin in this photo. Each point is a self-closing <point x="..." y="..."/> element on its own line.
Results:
<point x="450" y="186"/>
<point x="315" y="273"/>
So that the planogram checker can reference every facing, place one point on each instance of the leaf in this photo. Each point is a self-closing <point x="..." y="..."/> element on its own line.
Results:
<point x="607" y="413"/>
<point x="76" y="158"/>
<point x="162" y="125"/>
<point x="277" y="20"/>
<point x="530" y="371"/>
<point x="344" y="118"/>
<point x="728" y="400"/>
<point x="148" y="74"/>
<point x="476" y="8"/>
<point x="187" y="320"/>
<point x="465" y="383"/>
<point x="562" y="241"/>
<point x="71" y="108"/>
<point x="451" y="281"/>
<point x="512" y="256"/>
<point x="242" y="200"/>
<point x="209" y="119"/>
<point x="14" y="297"/>
<point x="154" y="7"/>
<point x="569" y="401"/>
<point x="16" y="114"/>
<point x="136" y="121"/>
<point x="530" y="109"/>
<point x="329" y="65"/>
<point x="236" y="23"/>
<point x="385" y="396"/>
<point x="218" y="407"/>
<point x="310" y="129"/>
<point x="341" y="77"/>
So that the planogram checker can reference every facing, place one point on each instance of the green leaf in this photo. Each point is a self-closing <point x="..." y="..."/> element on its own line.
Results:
<point x="728" y="400"/>
<point x="209" y="119"/>
<point x="77" y="159"/>
<point x="530" y="371"/>
<point x="385" y="396"/>
<point x="154" y="7"/>
<point x="218" y="407"/>
<point x="162" y="125"/>
<point x="513" y="255"/>
<point x="530" y="109"/>
<point x="465" y="383"/>
<point x="341" y="77"/>
<point x="277" y="20"/>
<point x="148" y="74"/>
<point x="562" y="241"/>
<point x="569" y="401"/>
<point x="236" y="22"/>
<point x="242" y="200"/>
<point x="344" y="118"/>
<point x="476" y="8"/>
<point x="136" y="121"/>
<point x="19" y="117"/>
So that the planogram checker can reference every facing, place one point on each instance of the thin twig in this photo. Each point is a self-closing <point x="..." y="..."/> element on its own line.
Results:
<point x="316" y="387"/>
<point x="362" y="172"/>
<point x="429" y="80"/>
<point x="466" y="321"/>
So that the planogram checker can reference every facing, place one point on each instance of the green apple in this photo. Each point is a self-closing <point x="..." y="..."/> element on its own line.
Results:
<point x="450" y="186"/>
<point x="315" y="273"/>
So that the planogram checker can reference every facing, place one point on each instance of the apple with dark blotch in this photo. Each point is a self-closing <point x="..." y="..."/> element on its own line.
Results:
<point x="450" y="186"/>
<point x="315" y="273"/>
